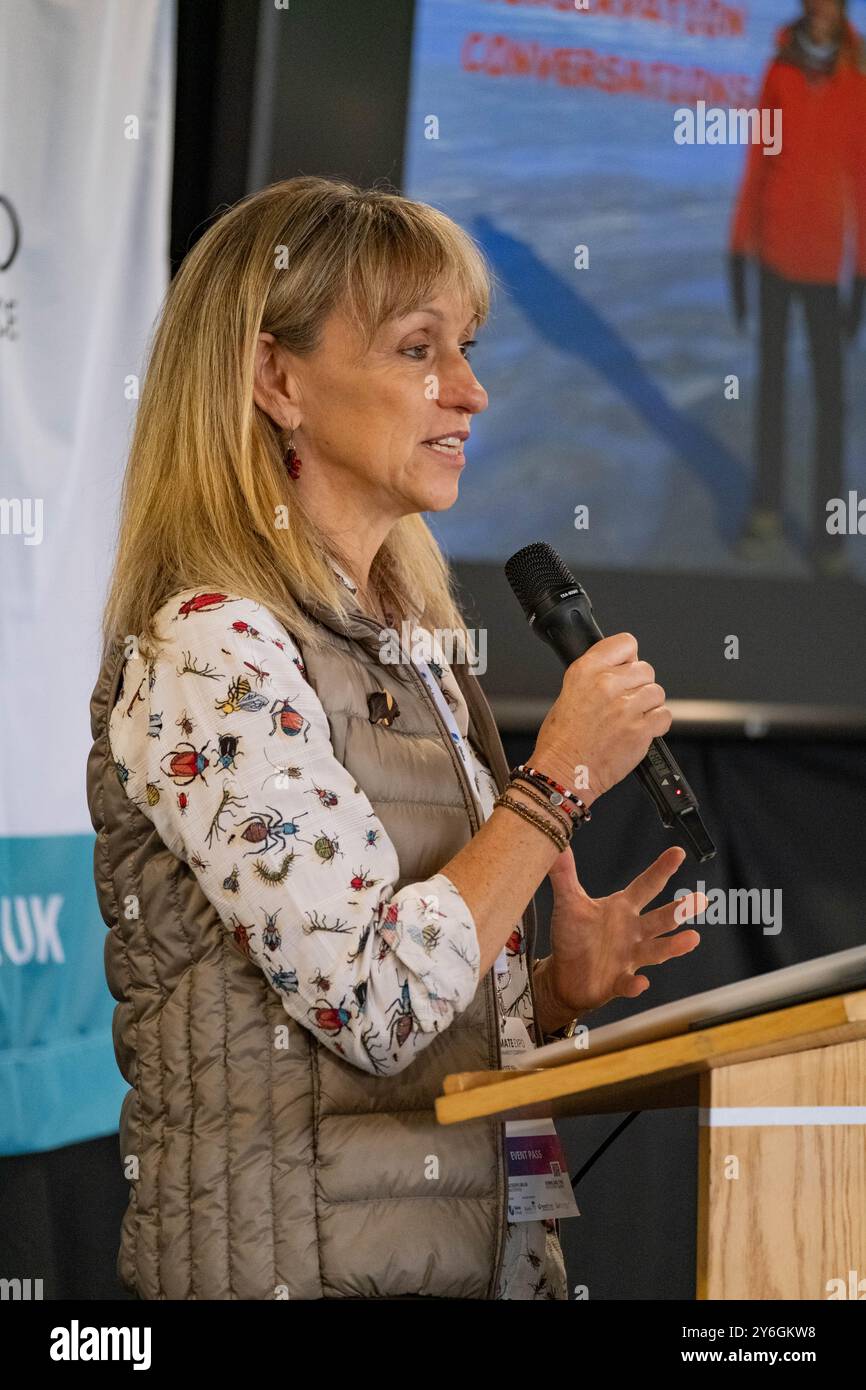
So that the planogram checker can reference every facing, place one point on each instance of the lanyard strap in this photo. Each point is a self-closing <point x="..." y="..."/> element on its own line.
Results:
<point x="463" y="752"/>
<point x="445" y="710"/>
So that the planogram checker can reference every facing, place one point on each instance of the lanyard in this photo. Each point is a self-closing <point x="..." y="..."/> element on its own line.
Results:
<point x="463" y="753"/>
<point x="445" y="710"/>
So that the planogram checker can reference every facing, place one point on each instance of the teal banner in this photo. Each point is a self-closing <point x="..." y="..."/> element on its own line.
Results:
<point x="59" y="1081"/>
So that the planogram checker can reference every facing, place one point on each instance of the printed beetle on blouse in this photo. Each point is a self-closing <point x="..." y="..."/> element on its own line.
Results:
<point x="223" y="744"/>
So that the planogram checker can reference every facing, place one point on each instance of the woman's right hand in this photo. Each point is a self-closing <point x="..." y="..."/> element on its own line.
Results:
<point x="605" y="717"/>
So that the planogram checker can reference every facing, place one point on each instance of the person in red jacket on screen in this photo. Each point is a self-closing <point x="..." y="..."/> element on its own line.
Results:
<point x="798" y="215"/>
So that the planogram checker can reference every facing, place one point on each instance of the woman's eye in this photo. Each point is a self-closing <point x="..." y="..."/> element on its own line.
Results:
<point x="425" y="347"/>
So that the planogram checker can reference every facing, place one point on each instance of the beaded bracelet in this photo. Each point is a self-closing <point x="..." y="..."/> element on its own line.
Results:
<point x="558" y="837"/>
<point x="563" y="817"/>
<point x="533" y="772"/>
<point x="555" y="793"/>
<point x="552" y="798"/>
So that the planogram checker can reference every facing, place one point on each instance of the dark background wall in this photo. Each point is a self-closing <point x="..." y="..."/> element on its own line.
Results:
<point x="264" y="94"/>
<point x="255" y="102"/>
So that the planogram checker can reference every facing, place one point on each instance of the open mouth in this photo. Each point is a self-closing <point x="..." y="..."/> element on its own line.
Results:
<point x="451" y="445"/>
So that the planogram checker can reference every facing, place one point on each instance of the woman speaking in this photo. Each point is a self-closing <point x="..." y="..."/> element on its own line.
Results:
<point x="315" y="865"/>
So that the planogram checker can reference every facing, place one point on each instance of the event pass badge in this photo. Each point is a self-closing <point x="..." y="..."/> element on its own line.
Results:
<point x="539" y="1186"/>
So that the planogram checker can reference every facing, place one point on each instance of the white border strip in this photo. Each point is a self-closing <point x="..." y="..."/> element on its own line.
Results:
<point x="734" y="1116"/>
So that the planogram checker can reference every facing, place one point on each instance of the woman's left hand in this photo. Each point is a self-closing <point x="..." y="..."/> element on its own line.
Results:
<point x="599" y="944"/>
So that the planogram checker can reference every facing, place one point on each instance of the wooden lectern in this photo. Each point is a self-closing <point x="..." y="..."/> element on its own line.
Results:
<point x="782" y="1138"/>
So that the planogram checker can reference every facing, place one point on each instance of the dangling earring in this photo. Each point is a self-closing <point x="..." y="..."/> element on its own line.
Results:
<point x="291" y="460"/>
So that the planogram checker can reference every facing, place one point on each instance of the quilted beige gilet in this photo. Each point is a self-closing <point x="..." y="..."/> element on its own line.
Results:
<point x="260" y="1173"/>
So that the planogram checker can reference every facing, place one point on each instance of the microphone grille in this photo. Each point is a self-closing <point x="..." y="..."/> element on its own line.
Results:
<point x="533" y="571"/>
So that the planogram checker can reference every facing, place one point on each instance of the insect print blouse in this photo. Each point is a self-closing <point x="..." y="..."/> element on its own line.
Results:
<point x="224" y="745"/>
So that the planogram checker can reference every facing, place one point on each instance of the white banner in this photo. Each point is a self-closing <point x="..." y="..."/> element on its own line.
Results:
<point x="86" y="138"/>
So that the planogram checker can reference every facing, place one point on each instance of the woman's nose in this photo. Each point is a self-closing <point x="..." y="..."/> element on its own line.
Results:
<point x="460" y="389"/>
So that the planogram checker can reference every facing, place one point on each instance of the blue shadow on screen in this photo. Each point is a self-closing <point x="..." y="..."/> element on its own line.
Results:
<point x="569" y="323"/>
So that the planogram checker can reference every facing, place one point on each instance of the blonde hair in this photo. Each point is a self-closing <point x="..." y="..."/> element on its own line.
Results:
<point x="206" y="471"/>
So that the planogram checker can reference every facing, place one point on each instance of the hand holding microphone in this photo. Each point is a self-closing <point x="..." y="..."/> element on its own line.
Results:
<point x="610" y="712"/>
<point x="606" y="715"/>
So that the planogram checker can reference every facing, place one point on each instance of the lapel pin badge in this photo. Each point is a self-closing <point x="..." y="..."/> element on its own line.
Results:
<point x="383" y="708"/>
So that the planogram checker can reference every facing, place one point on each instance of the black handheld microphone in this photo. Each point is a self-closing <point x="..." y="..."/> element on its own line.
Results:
<point x="560" y="612"/>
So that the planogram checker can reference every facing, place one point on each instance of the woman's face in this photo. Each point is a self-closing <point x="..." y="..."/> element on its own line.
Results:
<point x="367" y="419"/>
<point x="823" y="18"/>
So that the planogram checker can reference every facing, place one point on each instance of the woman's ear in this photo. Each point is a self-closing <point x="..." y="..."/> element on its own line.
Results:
<point x="270" y="381"/>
